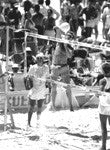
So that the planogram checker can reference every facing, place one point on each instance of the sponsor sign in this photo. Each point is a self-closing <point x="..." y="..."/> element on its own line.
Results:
<point x="17" y="99"/>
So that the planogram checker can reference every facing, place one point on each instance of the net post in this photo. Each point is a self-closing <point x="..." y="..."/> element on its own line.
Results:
<point x="25" y="54"/>
<point x="6" y="82"/>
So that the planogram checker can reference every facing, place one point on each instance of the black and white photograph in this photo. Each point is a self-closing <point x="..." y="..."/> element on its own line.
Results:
<point x="54" y="74"/>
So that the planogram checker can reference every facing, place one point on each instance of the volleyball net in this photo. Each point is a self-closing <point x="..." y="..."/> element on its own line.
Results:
<point x="48" y="38"/>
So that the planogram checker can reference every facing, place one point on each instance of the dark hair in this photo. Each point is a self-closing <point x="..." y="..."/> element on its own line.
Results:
<point x="49" y="11"/>
<point x="40" y="2"/>
<point x="36" y="8"/>
<point x="47" y="2"/>
<point x="106" y="68"/>
<point x="27" y="5"/>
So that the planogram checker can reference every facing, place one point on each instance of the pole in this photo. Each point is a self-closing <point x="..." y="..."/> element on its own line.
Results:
<point x="25" y="54"/>
<point x="6" y="83"/>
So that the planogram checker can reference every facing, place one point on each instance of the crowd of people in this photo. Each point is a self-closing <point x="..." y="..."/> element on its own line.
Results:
<point x="52" y="61"/>
<point x="41" y="17"/>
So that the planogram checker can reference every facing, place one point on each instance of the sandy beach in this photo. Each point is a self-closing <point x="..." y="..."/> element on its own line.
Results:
<point x="61" y="130"/>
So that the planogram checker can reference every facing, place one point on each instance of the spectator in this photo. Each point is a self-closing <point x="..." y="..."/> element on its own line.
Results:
<point x="30" y="59"/>
<point x="98" y="8"/>
<point x="43" y="9"/>
<point x="37" y="18"/>
<point x="14" y="16"/>
<point x="75" y="20"/>
<point x="65" y="11"/>
<point x="2" y="32"/>
<point x="6" y="10"/>
<point x="90" y="13"/>
<point x="106" y="21"/>
<point x="29" y="24"/>
<point x="55" y="13"/>
<point x="49" y="23"/>
<point x="27" y="7"/>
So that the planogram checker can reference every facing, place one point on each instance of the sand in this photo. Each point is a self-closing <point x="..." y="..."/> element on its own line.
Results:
<point x="57" y="130"/>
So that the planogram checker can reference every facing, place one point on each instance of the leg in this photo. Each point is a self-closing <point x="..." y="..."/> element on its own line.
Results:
<point x="103" y="121"/>
<point x="103" y="29"/>
<point x="54" y="76"/>
<point x="109" y="120"/>
<point x="39" y="108"/>
<point x="69" y="96"/>
<point x="72" y="26"/>
<point x="54" y="93"/>
<point x="66" y="79"/>
<point x="11" y="115"/>
<point x="30" y="110"/>
<point x="106" y="33"/>
<point x="96" y="31"/>
<point x="89" y="31"/>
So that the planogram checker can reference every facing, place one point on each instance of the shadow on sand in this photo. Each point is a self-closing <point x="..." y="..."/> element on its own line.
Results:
<point x="94" y="137"/>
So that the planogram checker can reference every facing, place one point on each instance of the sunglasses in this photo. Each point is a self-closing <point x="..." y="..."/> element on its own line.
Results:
<point x="39" y="58"/>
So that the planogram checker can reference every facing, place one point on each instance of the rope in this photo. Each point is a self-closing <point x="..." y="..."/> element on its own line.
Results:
<point x="71" y="42"/>
<point x="94" y="89"/>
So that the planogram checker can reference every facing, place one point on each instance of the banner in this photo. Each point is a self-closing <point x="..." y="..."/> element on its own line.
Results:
<point x="17" y="99"/>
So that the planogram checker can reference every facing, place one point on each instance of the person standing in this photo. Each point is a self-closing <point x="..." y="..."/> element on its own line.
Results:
<point x="104" y="103"/>
<point x="75" y="21"/>
<point x="37" y="93"/>
<point x="2" y="31"/>
<point x="49" y="23"/>
<point x="27" y="5"/>
<point x="60" y="67"/>
<point x="106" y="21"/>
<point x="43" y="9"/>
<point x="31" y="60"/>
<point x="14" y="16"/>
<point x="56" y="15"/>
<point x="65" y="11"/>
<point x="98" y="8"/>
<point x="37" y="18"/>
<point x="90" y="13"/>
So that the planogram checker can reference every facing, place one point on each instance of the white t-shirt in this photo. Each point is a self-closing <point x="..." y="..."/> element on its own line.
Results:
<point x="38" y="91"/>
